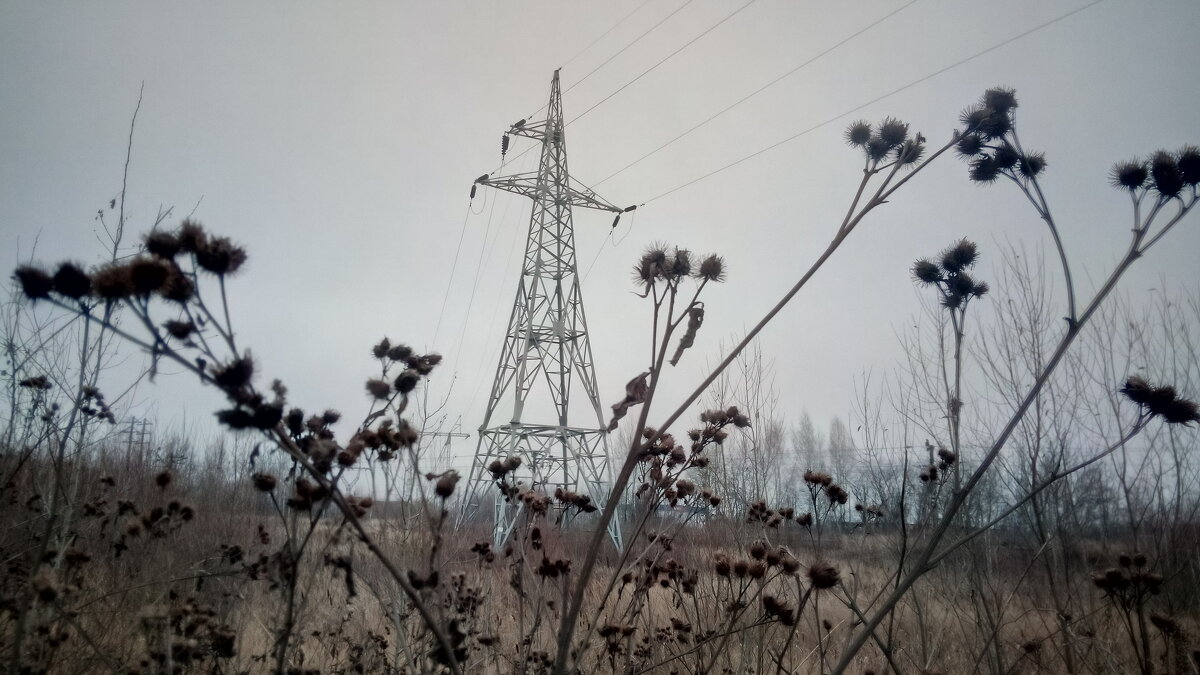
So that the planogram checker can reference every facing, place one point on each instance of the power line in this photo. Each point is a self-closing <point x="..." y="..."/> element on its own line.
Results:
<point x="622" y="49"/>
<point x="761" y="89"/>
<point x="453" y="267"/>
<point x="605" y="34"/>
<point x="662" y="61"/>
<point x="877" y="99"/>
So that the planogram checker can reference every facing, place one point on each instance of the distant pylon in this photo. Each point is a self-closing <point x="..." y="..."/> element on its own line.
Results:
<point x="546" y="348"/>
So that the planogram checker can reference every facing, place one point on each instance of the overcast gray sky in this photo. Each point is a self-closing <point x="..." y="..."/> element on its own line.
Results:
<point x="338" y="141"/>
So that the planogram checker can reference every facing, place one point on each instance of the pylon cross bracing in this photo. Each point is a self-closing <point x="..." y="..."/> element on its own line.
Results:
<point x="546" y="353"/>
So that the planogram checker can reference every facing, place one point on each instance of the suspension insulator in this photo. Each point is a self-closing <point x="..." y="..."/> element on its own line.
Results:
<point x="473" y="186"/>
<point x="503" y="146"/>
<point x="519" y="124"/>
<point x="482" y="179"/>
<point x="630" y="208"/>
<point x="616" y="220"/>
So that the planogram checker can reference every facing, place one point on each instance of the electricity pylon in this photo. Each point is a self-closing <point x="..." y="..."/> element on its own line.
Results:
<point x="546" y="349"/>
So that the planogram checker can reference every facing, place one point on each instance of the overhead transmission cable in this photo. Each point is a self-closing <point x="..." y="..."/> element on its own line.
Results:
<point x="453" y="267"/>
<point x="891" y="93"/>
<point x="661" y="61"/>
<point x="619" y="51"/>
<point x="645" y="72"/>
<point x="761" y="89"/>
<point x="605" y="34"/>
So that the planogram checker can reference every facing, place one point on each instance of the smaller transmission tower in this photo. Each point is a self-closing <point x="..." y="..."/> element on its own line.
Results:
<point x="546" y="350"/>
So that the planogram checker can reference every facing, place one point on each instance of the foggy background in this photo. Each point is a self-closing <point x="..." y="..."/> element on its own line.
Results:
<point x="338" y="143"/>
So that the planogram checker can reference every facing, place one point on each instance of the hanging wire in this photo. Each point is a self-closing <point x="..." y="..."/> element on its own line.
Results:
<point x="604" y="34"/>
<point x="661" y="61"/>
<point x="446" y="295"/>
<point x="877" y="99"/>
<point x="475" y="284"/>
<point x="762" y="89"/>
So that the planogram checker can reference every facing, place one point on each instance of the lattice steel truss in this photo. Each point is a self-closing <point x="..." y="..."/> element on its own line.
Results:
<point x="546" y="350"/>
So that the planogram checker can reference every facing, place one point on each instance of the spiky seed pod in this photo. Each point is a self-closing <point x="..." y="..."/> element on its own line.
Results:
<point x="877" y="149"/>
<point x="947" y="456"/>
<point x="757" y="570"/>
<point x="178" y="287"/>
<point x="1032" y="164"/>
<point x="823" y="575"/>
<point x="712" y="268"/>
<point x="1139" y="559"/>
<point x="71" y="281"/>
<point x="983" y="169"/>
<point x="893" y="132"/>
<point x="191" y="236"/>
<point x="681" y="264"/>
<point x="407" y="381"/>
<point x="1124" y="560"/>
<point x="1006" y="157"/>
<point x="995" y="125"/>
<point x="379" y="389"/>
<point x="162" y="244"/>
<point x="969" y="145"/>
<point x="264" y="482"/>
<point x="1138" y="390"/>
<point x="220" y="256"/>
<point x="926" y="271"/>
<point x="445" y="484"/>
<point x="1188" y="162"/>
<point x="163" y="479"/>
<point x="35" y="282"/>
<point x="400" y="353"/>
<point x="973" y="117"/>
<point x="234" y="375"/>
<point x="331" y="416"/>
<point x="1164" y="173"/>
<point x="381" y="350"/>
<point x="910" y="152"/>
<point x="180" y="330"/>
<point x="1180" y="411"/>
<point x="1160" y="398"/>
<point x="1000" y="99"/>
<point x="267" y="415"/>
<point x="1130" y="174"/>
<point x="758" y="549"/>
<point x="961" y="284"/>
<point x="959" y="256"/>
<point x="147" y="275"/>
<point x="236" y="419"/>
<point x="858" y="133"/>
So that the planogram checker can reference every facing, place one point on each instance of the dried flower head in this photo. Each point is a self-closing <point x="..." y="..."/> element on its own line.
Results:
<point x="893" y="132"/>
<point x="379" y="389"/>
<point x="220" y="256"/>
<point x="162" y="244"/>
<point x="969" y="145"/>
<point x="823" y="575"/>
<point x="712" y="268"/>
<point x="1032" y="164"/>
<point x="445" y="484"/>
<point x="147" y="274"/>
<point x="858" y="133"/>
<point x="1188" y="162"/>
<point x="959" y="256"/>
<point x="927" y="271"/>
<point x="1129" y="175"/>
<point x="71" y="281"/>
<point x="35" y="282"/>
<point x="1164" y="174"/>
<point x="983" y="169"/>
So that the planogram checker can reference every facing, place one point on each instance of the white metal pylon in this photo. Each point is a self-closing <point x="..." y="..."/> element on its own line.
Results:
<point x="546" y="349"/>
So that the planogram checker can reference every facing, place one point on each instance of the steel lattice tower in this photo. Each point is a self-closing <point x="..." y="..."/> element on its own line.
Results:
<point x="546" y="350"/>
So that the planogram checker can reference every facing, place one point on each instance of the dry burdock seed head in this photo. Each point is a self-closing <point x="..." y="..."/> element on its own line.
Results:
<point x="445" y="484"/>
<point x="71" y="281"/>
<point x="823" y="575"/>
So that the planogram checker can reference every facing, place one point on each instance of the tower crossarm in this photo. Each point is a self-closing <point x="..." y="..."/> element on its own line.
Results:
<point x="527" y="184"/>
